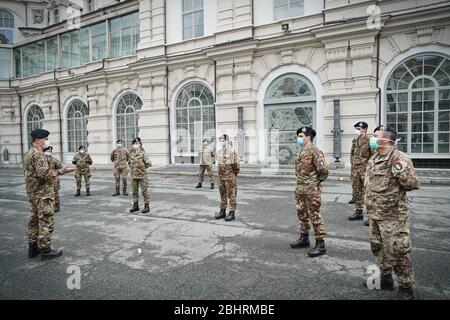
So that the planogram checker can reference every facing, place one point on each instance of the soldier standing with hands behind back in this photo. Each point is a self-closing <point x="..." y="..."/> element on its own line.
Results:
<point x="390" y="174"/>
<point x="206" y="156"/>
<point x="39" y="180"/>
<point x="139" y="163"/>
<point x="83" y="161"/>
<point x="311" y="170"/>
<point x="120" y="157"/>
<point x="361" y="154"/>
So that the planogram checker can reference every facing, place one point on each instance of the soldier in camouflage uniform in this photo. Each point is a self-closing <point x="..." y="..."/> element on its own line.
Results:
<point x="39" y="180"/>
<point x="206" y="156"/>
<point x="311" y="170"/>
<point x="360" y="155"/>
<point x="55" y="165"/>
<point x="120" y="157"/>
<point x="390" y="174"/>
<point x="83" y="161"/>
<point x="229" y="167"/>
<point x="139" y="163"/>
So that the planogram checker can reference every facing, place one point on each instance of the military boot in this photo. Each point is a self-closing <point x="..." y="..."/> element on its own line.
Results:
<point x="366" y="222"/>
<point x="230" y="216"/>
<point x="386" y="282"/>
<point x="406" y="293"/>
<point x="212" y="186"/>
<point x="199" y="185"/>
<point x="78" y="193"/>
<point x="301" y="242"/>
<point x="125" y="191"/>
<point x="358" y="215"/>
<point x="33" y="250"/>
<point x="135" y="207"/>
<point x="50" y="254"/>
<point x="87" y="192"/>
<point x="221" y="214"/>
<point x="57" y="207"/>
<point x="146" y="208"/>
<point x="352" y="201"/>
<point x="318" y="250"/>
<point x="117" y="192"/>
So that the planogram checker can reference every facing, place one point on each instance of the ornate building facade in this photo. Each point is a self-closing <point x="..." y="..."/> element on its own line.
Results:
<point x="174" y="72"/>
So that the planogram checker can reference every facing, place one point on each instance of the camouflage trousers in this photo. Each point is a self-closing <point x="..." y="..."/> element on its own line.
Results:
<point x="87" y="179"/>
<point x="201" y="173"/>
<point x="121" y="173"/>
<point x="358" y="174"/>
<point x="144" y="189"/>
<point x="308" y="212"/>
<point x="56" y="190"/>
<point x="40" y="224"/>
<point x="228" y="193"/>
<point x="391" y="245"/>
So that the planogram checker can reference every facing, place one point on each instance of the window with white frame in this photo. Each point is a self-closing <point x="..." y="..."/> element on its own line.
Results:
<point x="287" y="8"/>
<point x="124" y="35"/>
<point x="35" y="118"/>
<point x="70" y="49"/>
<point x="6" y="27"/>
<point x="193" y="20"/>
<point x="127" y="118"/>
<point x="5" y="62"/>
<point x="194" y="118"/>
<point x="77" y="133"/>
<point x="90" y="5"/>
<point x="418" y="104"/>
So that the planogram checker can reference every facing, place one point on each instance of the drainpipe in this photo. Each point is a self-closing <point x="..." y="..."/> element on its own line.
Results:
<point x="21" y="124"/>
<point x="215" y="94"/>
<point x="377" y="78"/>
<point x="168" y="112"/>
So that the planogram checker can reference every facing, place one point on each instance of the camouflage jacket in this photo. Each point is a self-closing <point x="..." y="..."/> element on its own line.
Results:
<point x="138" y="162"/>
<point x="206" y="155"/>
<point x="229" y="163"/>
<point x="82" y="161"/>
<point x="55" y="166"/>
<point x="387" y="180"/>
<point x="361" y="151"/>
<point x="120" y="158"/>
<point x="39" y="177"/>
<point x="310" y="168"/>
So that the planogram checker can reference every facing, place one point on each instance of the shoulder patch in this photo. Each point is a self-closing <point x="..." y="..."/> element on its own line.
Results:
<point x="398" y="166"/>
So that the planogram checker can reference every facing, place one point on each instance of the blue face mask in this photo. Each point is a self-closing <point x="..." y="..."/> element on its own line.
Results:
<point x="300" y="141"/>
<point x="373" y="143"/>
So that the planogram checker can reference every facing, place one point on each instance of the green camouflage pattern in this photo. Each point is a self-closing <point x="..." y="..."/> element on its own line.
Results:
<point x="360" y="156"/>
<point x="228" y="162"/>
<point x="310" y="168"/>
<point x="228" y="194"/>
<point x="139" y="162"/>
<point x="120" y="157"/>
<point x="206" y="155"/>
<point x="41" y="223"/>
<point x="145" y="189"/>
<point x="55" y="166"/>
<point x="201" y="173"/>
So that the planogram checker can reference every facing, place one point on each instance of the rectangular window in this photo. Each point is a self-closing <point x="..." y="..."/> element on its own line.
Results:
<point x="124" y="35"/>
<point x="193" y="20"/>
<point x="287" y="8"/>
<point x="18" y="62"/>
<point x="90" y="5"/>
<point x="5" y="62"/>
<point x="98" y="41"/>
<point x="6" y="36"/>
<point x="70" y="49"/>
<point x="84" y="46"/>
<point x="52" y="53"/>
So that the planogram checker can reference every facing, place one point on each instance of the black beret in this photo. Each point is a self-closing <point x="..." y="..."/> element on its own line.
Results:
<point x="308" y="130"/>
<point x="81" y="147"/>
<point x="388" y="129"/>
<point x="137" y="139"/>
<point x="361" y="124"/>
<point x="48" y="148"/>
<point x="119" y="140"/>
<point x="39" y="133"/>
<point x="225" y="137"/>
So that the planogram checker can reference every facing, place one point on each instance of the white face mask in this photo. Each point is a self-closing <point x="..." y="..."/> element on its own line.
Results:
<point x="136" y="145"/>
<point x="205" y="143"/>
<point x="119" y="145"/>
<point x="357" y="132"/>
<point x="48" y="153"/>
<point x="81" y="151"/>
<point x="221" y="144"/>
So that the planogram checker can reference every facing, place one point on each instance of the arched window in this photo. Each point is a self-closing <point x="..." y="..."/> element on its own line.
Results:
<point x="195" y="118"/>
<point x="6" y="27"/>
<point x="418" y="104"/>
<point x="56" y="16"/>
<point x="288" y="105"/>
<point x="35" y="117"/>
<point x="77" y="125"/>
<point x="127" y="118"/>
<point x="5" y="155"/>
